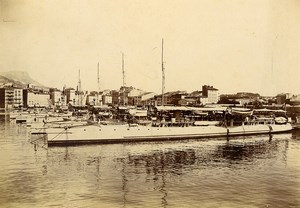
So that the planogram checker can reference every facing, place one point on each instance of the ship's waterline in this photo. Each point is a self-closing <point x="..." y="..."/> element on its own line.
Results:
<point x="90" y="134"/>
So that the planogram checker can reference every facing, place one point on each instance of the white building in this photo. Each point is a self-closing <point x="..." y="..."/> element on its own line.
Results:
<point x="18" y="98"/>
<point x="204" y="100"/>
<point x="70" y="96"/>
<point x="211" y="93"/>
<point x="57" y="97"/>
<point x="107" y="98"/>
<point x="94" y="98"/>
<point x="34" y="99"/>
<point x="11" y="97"/>
<point x="91" y="99"/>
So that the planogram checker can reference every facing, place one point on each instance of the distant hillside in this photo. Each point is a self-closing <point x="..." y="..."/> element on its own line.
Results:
<point x="4" y="80"/>
<point x="19" y="78"/>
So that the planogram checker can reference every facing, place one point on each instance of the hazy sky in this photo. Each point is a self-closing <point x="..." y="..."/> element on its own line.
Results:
<point x="229" y="44"/>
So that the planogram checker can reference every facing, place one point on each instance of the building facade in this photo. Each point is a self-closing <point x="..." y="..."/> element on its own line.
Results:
<point x="33" y="99"/>
<point x="282" y="98"/>
<point x="18" y="98"/>
<point x="107" y="98"/>
<point x="211" y="93"/>
<point x="58" y="98"/>
<point x="70" y="96"/>
<point x="11" y="97"/>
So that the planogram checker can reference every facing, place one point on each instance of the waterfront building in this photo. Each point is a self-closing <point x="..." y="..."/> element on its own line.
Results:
<point x="245" y="98"/>
<point x="80" y="98"/>
<point x="208" y="95"/>
<point x="11" y="97"/>
<point x="123" y="93"/>
<point x="241" y="98"/>
<point x="91" y="99"/>
<point x="175" y="97"/>
<point x="282" y="98"/>
<point x="115" y="97"/>
<point x="18" y="98"/>
<point x="94" y="98"/>
<point x="107" y="97"/>
<point x="70" y="95"/>
<point x="57" y="97"/>
<point x="211" y="93"/>
<point x="33" y="98"/>
<point x="6" y="98"/>
<point x="170" y="98"/>
<point x="195" y="98"/>
<point x="147" y="98"/>
<point x="187" y="102"/>
<point x="135" y="97"/>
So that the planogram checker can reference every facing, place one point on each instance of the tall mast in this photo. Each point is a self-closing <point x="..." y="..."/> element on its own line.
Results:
<point x="98" y="84"/>
<point x="98" y="79"/>
<point x="163" y="74"/>
<point x="123" y="71"/>
<point x="79" y="89"/>
<point x="124" y="81"/>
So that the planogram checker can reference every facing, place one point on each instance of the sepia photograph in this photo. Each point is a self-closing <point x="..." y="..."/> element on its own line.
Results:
<point x="149" y="103"/>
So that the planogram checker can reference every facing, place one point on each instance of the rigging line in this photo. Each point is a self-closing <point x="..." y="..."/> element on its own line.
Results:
<point x="35" y="140"/>
<point x="59" y="134"/>
<point x="44" y="146"/>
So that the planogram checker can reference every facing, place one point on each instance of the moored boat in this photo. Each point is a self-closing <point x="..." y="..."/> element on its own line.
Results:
<point x="97" y="133"/>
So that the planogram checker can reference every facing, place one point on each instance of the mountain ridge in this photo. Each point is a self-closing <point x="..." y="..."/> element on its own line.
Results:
<point x="18" y="78"/>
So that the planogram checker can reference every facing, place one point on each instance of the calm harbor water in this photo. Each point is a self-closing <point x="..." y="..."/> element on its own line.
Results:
<point x="253" y="171"/>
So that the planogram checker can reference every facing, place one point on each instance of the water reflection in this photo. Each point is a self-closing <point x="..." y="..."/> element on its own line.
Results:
<point x="128" y="171"/>
<point x="159" y="162"/>
<point x="234" y="151"/>
<point x="207" y="153"/>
